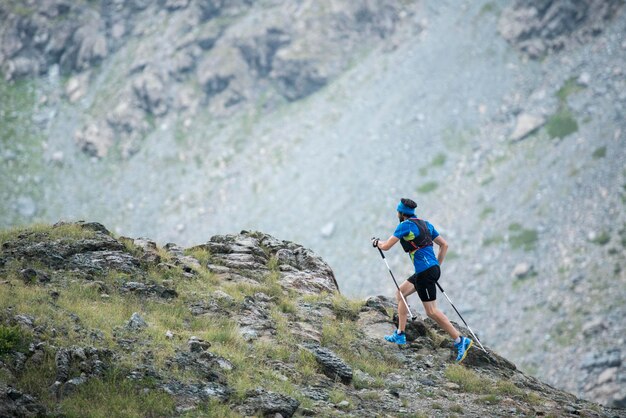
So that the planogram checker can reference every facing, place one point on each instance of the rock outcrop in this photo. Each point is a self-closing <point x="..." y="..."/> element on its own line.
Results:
<point x="210" y="43"/>
<point x="537" y="27"/>
<point x="256" y="326"/>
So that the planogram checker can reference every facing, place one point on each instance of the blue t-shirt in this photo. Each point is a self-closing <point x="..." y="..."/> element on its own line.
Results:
<point x="424" y="257"/>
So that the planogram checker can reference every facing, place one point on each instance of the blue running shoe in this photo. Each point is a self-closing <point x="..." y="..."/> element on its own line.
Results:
<point x="396" y="338"/>
<point x="462" y="347"/>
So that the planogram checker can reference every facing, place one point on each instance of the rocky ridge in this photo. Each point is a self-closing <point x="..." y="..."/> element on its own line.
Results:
<point x="225" y="55"/>
<point x="249" y="325"/>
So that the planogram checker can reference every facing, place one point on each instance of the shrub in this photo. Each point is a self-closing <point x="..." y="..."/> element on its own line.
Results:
<point x="116" y="396"/>
<point x="199" y="253"/>
<point x="525" y="239"/>
<point x="599" y="153"/>
<point x="346" y="308"/>
<point x="456" y="408"/>
<point x="602" y="238"/>
<point x="561" y="124"/>
<point x="11" y="339"/>
<point x="486" y="212"/>
<point x="469" y="380"/>
<point x="439" y="160"/>
<point x="428" y="187"/>
<point x="570" y="86"/>
<point x="45" y="232"/>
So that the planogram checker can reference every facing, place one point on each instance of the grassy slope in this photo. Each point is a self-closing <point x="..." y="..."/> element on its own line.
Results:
<point x="101" y="309"/>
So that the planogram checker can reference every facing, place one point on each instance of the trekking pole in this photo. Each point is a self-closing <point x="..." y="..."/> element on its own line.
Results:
<point x="459" y="314"/>
<point x="394" y="280"/>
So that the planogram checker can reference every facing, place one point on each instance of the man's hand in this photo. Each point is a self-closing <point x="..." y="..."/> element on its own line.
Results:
<point x="375" y="242"/>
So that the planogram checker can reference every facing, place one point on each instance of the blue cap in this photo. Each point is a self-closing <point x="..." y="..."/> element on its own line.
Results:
<point x="402" y="208"/>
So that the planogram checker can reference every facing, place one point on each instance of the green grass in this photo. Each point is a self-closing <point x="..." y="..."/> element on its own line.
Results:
<point x="487" y="8"/>
<point x="467" y="379"/>
<point x="515" y="227"/>
<point x="35" y="379"/>
<point x="116" y="396"/>
<point x="472" y="382"/>
<point x="484" y="214"/>
<point x="561" y="124"/>
<point x="201" y="254"/>
<point x="457" y="409"/>
<point x="525" y="239"/>
<point x="494" y="239"/>
<point x="570" y="87"/>
<point x="428" y="187"/>
<point x="622" y="234"/>
<point x="45" y="232"/>
<point x="345" y="308"/>
<point x="12" y="338"/>
<point x="490" y="399"/>
<point x="505" y="387"/>
<point x="337" y="395"/>
<point x="438" y="160"/>
<point x="602" y="238"/>
<point x="599" y="153"/>
<point x="212" y="409"/>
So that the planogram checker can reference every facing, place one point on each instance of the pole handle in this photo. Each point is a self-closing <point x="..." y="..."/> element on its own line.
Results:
<point x="382" y="254"/>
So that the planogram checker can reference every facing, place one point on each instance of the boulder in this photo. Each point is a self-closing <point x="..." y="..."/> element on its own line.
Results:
<point x="269" y="404"/>
<point x="298" y="78"/>
<point x="219" y="68"/>
<point x="525" y="125"/>
<point x="95" y="139"/>
<point x="126" y="118"/>
<point x="136" y="322"/>
<point x="14" y="403"/>
<point x="197" y="345"/>
<point x="172" y="5"/>
<point x="332" y="366"/>
<point x="150" y="91"/>
<point x="76" y="87"/>
<point x="522" y="271"/>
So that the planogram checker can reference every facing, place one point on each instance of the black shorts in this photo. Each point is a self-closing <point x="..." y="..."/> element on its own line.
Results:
<point x="425" y="283"/>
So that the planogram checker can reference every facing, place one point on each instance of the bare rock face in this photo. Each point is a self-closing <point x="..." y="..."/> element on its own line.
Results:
<point x="604" y="373"/>
<point x="150" y="91"/>
<point x="246" y="256"/>
<point x="269" y="404"/>
<point x="39" y="34"/>
<point x="238" y="52"/>
<point x="98" y="253"/>
<point x="14" y="403"/>
<point x="95" y="139"/>
<point x="537" y="27"/>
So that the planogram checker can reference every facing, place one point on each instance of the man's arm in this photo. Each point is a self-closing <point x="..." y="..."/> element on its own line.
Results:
<point x="443" y="248"/>
<point x="385" y="245"/>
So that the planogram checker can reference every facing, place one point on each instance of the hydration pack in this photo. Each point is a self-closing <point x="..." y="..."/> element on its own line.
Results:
<point x="424" y="239"/>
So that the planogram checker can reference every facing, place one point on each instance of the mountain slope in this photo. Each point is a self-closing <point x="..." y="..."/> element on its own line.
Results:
<point x="519" y="162"/>
<point x="244" y="324"/>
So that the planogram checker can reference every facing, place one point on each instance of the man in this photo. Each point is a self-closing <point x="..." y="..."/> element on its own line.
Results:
<point x="416" y="237"/>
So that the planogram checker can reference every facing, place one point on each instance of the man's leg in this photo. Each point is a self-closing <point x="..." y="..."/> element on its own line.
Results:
<point x="440" y="318"/>
<point x="407" y="289"/>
